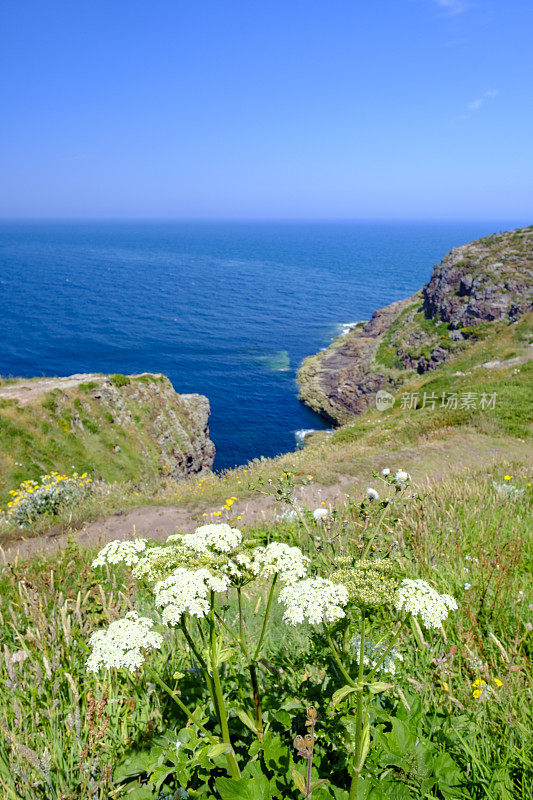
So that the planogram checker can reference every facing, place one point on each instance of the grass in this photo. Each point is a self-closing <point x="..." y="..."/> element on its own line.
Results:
<point x="67" y="734"/>
<point x="111" y="432"/>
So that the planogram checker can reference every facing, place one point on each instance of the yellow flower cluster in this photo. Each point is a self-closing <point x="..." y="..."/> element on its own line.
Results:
<point x="479" y="687"/>
<point x="32" y="497"/>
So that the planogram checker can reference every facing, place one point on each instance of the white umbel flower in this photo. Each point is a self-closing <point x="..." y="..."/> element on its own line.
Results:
<point x="385" y="472"/>
<point x="320" y="514"/>
<point x="315" y="600"/>
<point x="128" y="551"/>
<point x="218" y="538"/>
<point x="421" y="600"/>
<point x="277" y="557"/>
<point x="402" y="476"/>
<point x="187" y="591"/>
<point x="123" y="643"/>
<point x="372" y="494"/>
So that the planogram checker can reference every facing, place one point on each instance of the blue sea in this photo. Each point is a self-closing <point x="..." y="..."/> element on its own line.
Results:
<point x="225" y="309"/>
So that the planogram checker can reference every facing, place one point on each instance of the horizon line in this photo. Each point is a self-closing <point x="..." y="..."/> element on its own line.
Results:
<point x="97" y="218"/>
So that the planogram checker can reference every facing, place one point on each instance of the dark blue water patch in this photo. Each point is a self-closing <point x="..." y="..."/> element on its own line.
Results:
<point x="228" y="310"/>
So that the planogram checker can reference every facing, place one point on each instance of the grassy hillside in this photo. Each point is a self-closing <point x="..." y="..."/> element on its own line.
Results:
<point x="117" y="428"/>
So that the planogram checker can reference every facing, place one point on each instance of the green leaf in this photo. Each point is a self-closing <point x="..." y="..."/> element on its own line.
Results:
<point x="246" y="719"/>
<point x="299" y="781"/>
<point x="379" y="686"/>
<point x="316" y="784"/>
<point x="256" y="788"/>
<point x="341" y="693"/>
<point x="365" y="746"/>
<point x="218" y="749"/>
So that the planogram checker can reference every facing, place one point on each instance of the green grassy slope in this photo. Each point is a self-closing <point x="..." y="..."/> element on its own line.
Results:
<point x="118" y="428"/>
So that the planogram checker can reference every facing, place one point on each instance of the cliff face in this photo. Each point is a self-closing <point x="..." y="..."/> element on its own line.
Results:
<point x="475" y="287"/>
<point x="117" y="427"/>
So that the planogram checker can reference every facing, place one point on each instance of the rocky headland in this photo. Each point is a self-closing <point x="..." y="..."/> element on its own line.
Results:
<point x="115" y="426"/>
<point x="477" y="286"/>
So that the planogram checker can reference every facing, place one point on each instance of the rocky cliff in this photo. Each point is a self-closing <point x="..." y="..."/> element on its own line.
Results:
<point x="114" y="426"/>
<point x="476" y="286"/>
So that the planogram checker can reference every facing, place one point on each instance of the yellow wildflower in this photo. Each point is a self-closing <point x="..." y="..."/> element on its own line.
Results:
<point x="498" y="682"/>
<point x="507" y="477"/>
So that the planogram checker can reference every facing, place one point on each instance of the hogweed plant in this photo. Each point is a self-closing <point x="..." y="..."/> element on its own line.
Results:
<point x="357" y="603"/>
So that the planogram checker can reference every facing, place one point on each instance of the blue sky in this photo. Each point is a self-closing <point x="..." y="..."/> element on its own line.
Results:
<point x="266" y="109"/>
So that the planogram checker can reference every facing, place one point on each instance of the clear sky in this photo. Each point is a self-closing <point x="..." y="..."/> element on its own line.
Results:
<point x="266" y="108"/>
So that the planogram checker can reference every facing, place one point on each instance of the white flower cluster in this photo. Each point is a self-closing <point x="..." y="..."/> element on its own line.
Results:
<point x="314" y="599"/>
<point x="218" y="538"/>
<point x="115" y="552"/>
<point x="277" y="557"/>
<point x="402" y="477"/>
<point x="372" y="494"/>
<point x="122" y="643"/>
<point x="187" y="591"/>
<point x="373" y="653"/>
<point x="237" y="565"/>
<point x="421" y="600"/>
<point x="320" y="514"/>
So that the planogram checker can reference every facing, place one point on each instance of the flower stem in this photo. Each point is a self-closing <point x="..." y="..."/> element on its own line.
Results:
<point x="358" y="717"/>
<point x="180" y="703"/>
<point x="257" y="701"/>
<point x="241" y="626"/>
<point x="233" y="767"/>
<point x="389" y="648"/>
<point x="338" y="661"/>
<point x="375" y="531"/>
<point x="202" y="663"/>
<point x="265" y="620"/>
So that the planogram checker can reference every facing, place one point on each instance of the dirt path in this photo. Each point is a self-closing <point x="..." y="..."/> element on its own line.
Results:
<point x="24" y="391"/>
<point x="429" y="463"/>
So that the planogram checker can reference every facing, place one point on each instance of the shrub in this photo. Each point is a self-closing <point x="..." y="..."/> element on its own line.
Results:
<point x="119" y="380"/>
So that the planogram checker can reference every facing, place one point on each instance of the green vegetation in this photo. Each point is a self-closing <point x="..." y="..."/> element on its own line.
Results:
<point x="452" y="722"/>
<point x="108" y="428"/>
<point x="119" y="380"/>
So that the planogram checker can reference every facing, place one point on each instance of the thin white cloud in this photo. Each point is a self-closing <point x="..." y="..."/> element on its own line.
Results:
<point x="453" y="7"/>
<point x="476" y="104"/>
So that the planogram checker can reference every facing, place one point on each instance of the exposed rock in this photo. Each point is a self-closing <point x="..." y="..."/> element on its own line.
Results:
<point x="338" y="381"/>
<point x="475" y="286"/>
<point x="490" y="279"/>
<point x="114" y="426"/>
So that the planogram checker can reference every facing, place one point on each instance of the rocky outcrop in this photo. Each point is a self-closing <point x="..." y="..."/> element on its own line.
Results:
<point x="338" y="382"/>
<point x="484" y="281"/>
<point x="116" y="427"/>
<point x="475" y="286"/>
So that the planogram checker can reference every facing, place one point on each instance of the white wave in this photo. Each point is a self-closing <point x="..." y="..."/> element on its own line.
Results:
<point x="345" y="327"/>
<point x="302" y="433"/>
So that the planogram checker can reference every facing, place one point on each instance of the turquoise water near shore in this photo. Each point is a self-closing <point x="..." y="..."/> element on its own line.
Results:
<point x="225" y="309"/>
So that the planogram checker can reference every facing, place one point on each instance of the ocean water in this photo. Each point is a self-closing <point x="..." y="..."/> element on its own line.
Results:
<point x="228" y="310"/>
